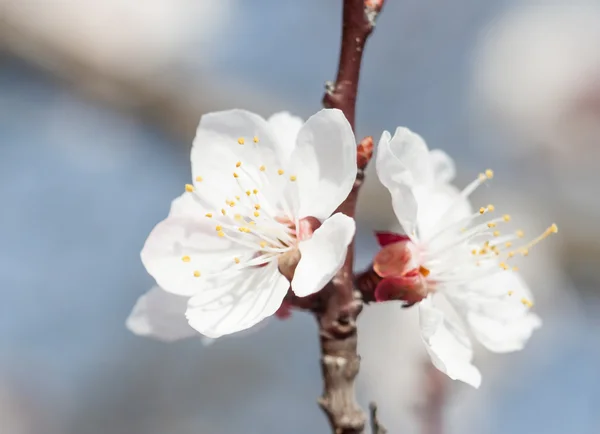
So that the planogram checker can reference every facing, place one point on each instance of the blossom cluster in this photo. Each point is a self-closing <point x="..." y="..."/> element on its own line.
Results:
<point x="259" y="220"/>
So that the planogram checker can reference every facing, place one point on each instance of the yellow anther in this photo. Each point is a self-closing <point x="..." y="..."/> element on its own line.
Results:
<point x="474" y="251"/>
<point x="235" y="175"/>
<point x="244" y="229"/>
<point x="237" y="260"/>
<point x="218" y="228"/>
<point x="486" y="244"/>
<point x="241" y="140"/>
<point x="481" y="210"/>
<point x="496" y="233"/>
<point x="515" y="268"/>
<point x="248" y="192"/>
<point x="526" y="302"/>
<point x="463" y="229"/>
<point x="262" y="168"/>
<point x="280" y="172"/>
<point x="255" y="191"/>
<point x="520" y="233"/>
<point x="221" y="234"/>
<point x="483" y="252"/>
<point x="257" y="206"/>
<point x="482" y="177"/>
<point x="525" y="252"/>
<point x="238" y="164"/>
<point x="508" y="244"/>
<point x="506" y="217"/>
<point x="232" y="204"/>
<point x="208" y="214"/>
<point x="237" y="198"/>
<point x="189" y="188"/>
<point x="263" y="244"/>
<point x="491" y="225"/>
<point x="256" y="214"/>
<point x="196" y="273"/>
<point x="185" y="258"/>
<point x="292" y="178"/>
<point x="491" y="207"/>
<point x="489" y="174"/>
<point x="199" y="178"/>
<point x="424" y="271"/>
<point x="503" y="265"/>
<point x="255" y="139"/>
<point x="511" y="293"/>
<point x="252" y="223"/>
<point x="223" y="211"/>
<point x="237" y="216"/>
<point x="511" y="254"/>
<point x="553" y="229"/>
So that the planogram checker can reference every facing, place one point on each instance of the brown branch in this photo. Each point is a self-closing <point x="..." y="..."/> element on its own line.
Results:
<point x="340" y="304"/>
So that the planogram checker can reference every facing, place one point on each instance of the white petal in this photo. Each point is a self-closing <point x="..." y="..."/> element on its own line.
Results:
<point x="178" y="237"/>
<point x="439" y="207"/>
<point x="161" y="315"/>
<point x="443" y="166"/>
<point x="323" y="254"/>
<point x="404" y="152"/>
<point x="324" y="164"/>
<point x="187" y="206"/>
<point x="405" y="207"/>
<point x="285" y="127"/>
<point x="231" y="305"/>
<point x="447" y="344"/>
<point x="217" y="151"/>
<point x="499" y="321"/>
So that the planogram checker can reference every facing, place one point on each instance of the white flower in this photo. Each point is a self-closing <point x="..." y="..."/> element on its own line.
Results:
<point x="258" y="188"/>
<point x="449" y="253"/>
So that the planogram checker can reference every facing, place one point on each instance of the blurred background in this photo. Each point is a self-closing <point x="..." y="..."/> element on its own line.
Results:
<point x="99" y="101"/>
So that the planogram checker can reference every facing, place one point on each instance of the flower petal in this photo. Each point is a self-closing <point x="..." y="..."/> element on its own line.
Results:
<point x="226" y="306"/>
<point x="501" y="322"/>
<point x="285" y="128"/>
<point x="443" y="166"/>
<point x="323" y="164"/>
<point x="404" y="158"/>
<point x="223" y="140"/>
<point x="447" y="344"/>
<point x="439" y="207"/>
<point x="406" y="208"/>
<point x="160" y="315"/>
<point x="323" y="254"/>
<point x="178" y="247"/>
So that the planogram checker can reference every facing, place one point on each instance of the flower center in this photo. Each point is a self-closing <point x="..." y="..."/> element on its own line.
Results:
<point x="256" y="214"/>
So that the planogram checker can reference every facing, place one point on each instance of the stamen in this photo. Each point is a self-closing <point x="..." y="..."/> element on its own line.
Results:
<point x="503" y="265"/>
<point x="515" y="268"/>
<point x="235" y="175"/>
<point x="256" y="214"/>
<point x="196" y="273"/>
<point x="508" y="244"/>
<point x="280" y="172"/>
<point x="189" y="188"/>
<point x="241" y="140"/>
<point x="185" y="258"/>
<point x="221" y="233"/>
<point x="255" y="191"/>
<point x="491" y="225"/>
<point x="199" y="178"/>
<point x="506" y="217"/>
<point x="248" y="192"/>
<point x="292" y="178"/>
<point x="263" y="244"/>
<point x="489" y="174"/>
<point x="209" y="215"/>
<point x="481" y="210"/>
<point x="526" y="302"/>
<point x="262" y="168"/>
<point x="520" y="233"/>
<point x="491" y="207"/>
<point x="238" y="164"/>
<point x="496" y="233"/>
<point x="237" y="260"/>
<point x="255" y="139"/>
<point x="511" y="293"/>
<point x="218" y="228"/>
<point x="223" y="211"/>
